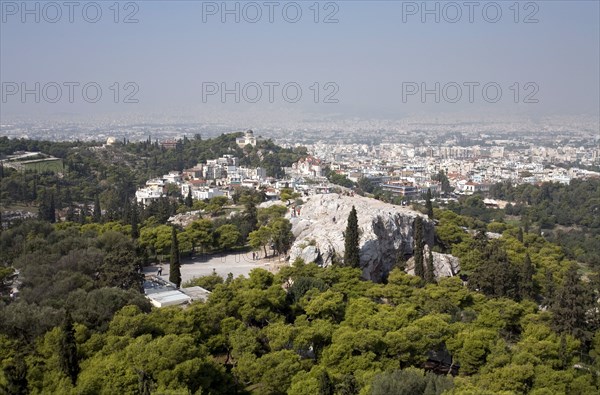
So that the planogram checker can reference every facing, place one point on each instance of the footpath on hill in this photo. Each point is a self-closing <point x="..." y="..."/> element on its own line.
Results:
<point x="223" y="264"/>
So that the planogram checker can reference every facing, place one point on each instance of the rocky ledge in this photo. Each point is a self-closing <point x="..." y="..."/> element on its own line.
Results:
<point x="386" y="231"/>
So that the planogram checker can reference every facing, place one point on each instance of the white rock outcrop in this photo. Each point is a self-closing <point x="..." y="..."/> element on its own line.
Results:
<point x="444" y="265"/>
<point x="185" y="219"/>
<point x="386" y="231"/>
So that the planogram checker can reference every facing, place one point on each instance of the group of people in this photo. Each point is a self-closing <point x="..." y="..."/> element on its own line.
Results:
<point x="255" y="256"/>
<point x="295" y="211"/>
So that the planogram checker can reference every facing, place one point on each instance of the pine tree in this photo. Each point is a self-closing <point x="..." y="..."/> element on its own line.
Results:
<point x="351" y="238"/>
<point x="428" y="204"/>
<point x="69" y="361"/>
<point x="480" y="241"/>
<point x="429" y="270"/>
<point x="526" y="288"/>
<point x="189" y="202"/>
<point x="418" y="248"/>
<point x="15" y="376"/>
<point x="97" y="215"/>
<point x="175" y="267"/>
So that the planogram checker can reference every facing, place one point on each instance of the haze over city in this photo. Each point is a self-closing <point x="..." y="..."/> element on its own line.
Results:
<point x="381" y="59"/>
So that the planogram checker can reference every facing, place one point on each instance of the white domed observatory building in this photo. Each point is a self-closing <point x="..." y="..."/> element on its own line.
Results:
<point x="247" y="139"/>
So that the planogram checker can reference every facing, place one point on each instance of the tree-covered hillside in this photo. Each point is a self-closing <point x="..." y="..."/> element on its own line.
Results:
<point x="522" y="317"/>
<point x="114" y="172"/>
<point x="524" y="323"/>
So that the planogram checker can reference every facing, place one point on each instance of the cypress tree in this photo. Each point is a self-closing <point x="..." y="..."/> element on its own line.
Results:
<point x="43" y="207"/>
<point x="82" y="214"/>
<point x="520" y="235"/>
<point x="71" y="217"/>
<point x="69" y="361"/>
<point x="351" y="237"/>
<point x="418" y="247"/>
<point x="97" y="215"/>
<point x="189" y="202"/>
<point x="145" y="383"/>
<point x="429" y="270"/>
<point x="163" y="210"/>
<point x="135" y="219"/>
<point x="348" y="385"/>
<point x="125" y="214"/>
<point x="251" y="212"/>
<point x="175" y="267"/>
<point x="326" y="385"/>
<point x="47" y="210"/>
<point x="400" y="261"/>
<point x="52" y="209"/>
<point x="34" y="188"/>
<point x="549" y="286"/>
<point x="569" y="305"/>
<point x="428" y="204"/>
<point x="495" y="277"/>
<point x="563" y="357"/>
<point x="526" y="284"/>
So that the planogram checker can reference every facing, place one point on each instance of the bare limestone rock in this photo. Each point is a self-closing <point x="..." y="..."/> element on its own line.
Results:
<point x="308" y="254"/>
<point x="444" y="265"/>
<point x="386" y="231"/>
<point x="185" y="219"/>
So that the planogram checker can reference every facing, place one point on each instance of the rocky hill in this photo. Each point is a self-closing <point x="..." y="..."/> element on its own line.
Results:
<point x="386" y="231"/>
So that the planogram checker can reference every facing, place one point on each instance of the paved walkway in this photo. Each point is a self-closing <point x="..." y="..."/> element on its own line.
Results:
<point x="223" y="264"/>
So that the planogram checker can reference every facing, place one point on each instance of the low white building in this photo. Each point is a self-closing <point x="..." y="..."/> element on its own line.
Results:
<point x="174" y="177"/>
<point x="156" y="183"/>
<point x="207" y="193"/>
<point x="309" y="166"/>
<point x="146" y="195"/>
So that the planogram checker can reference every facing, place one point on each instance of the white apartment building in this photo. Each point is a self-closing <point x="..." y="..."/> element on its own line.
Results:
<point x="146" y="195"/>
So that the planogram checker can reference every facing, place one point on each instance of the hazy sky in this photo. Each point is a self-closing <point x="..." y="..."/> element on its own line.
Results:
<point x="377" y="57"/>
